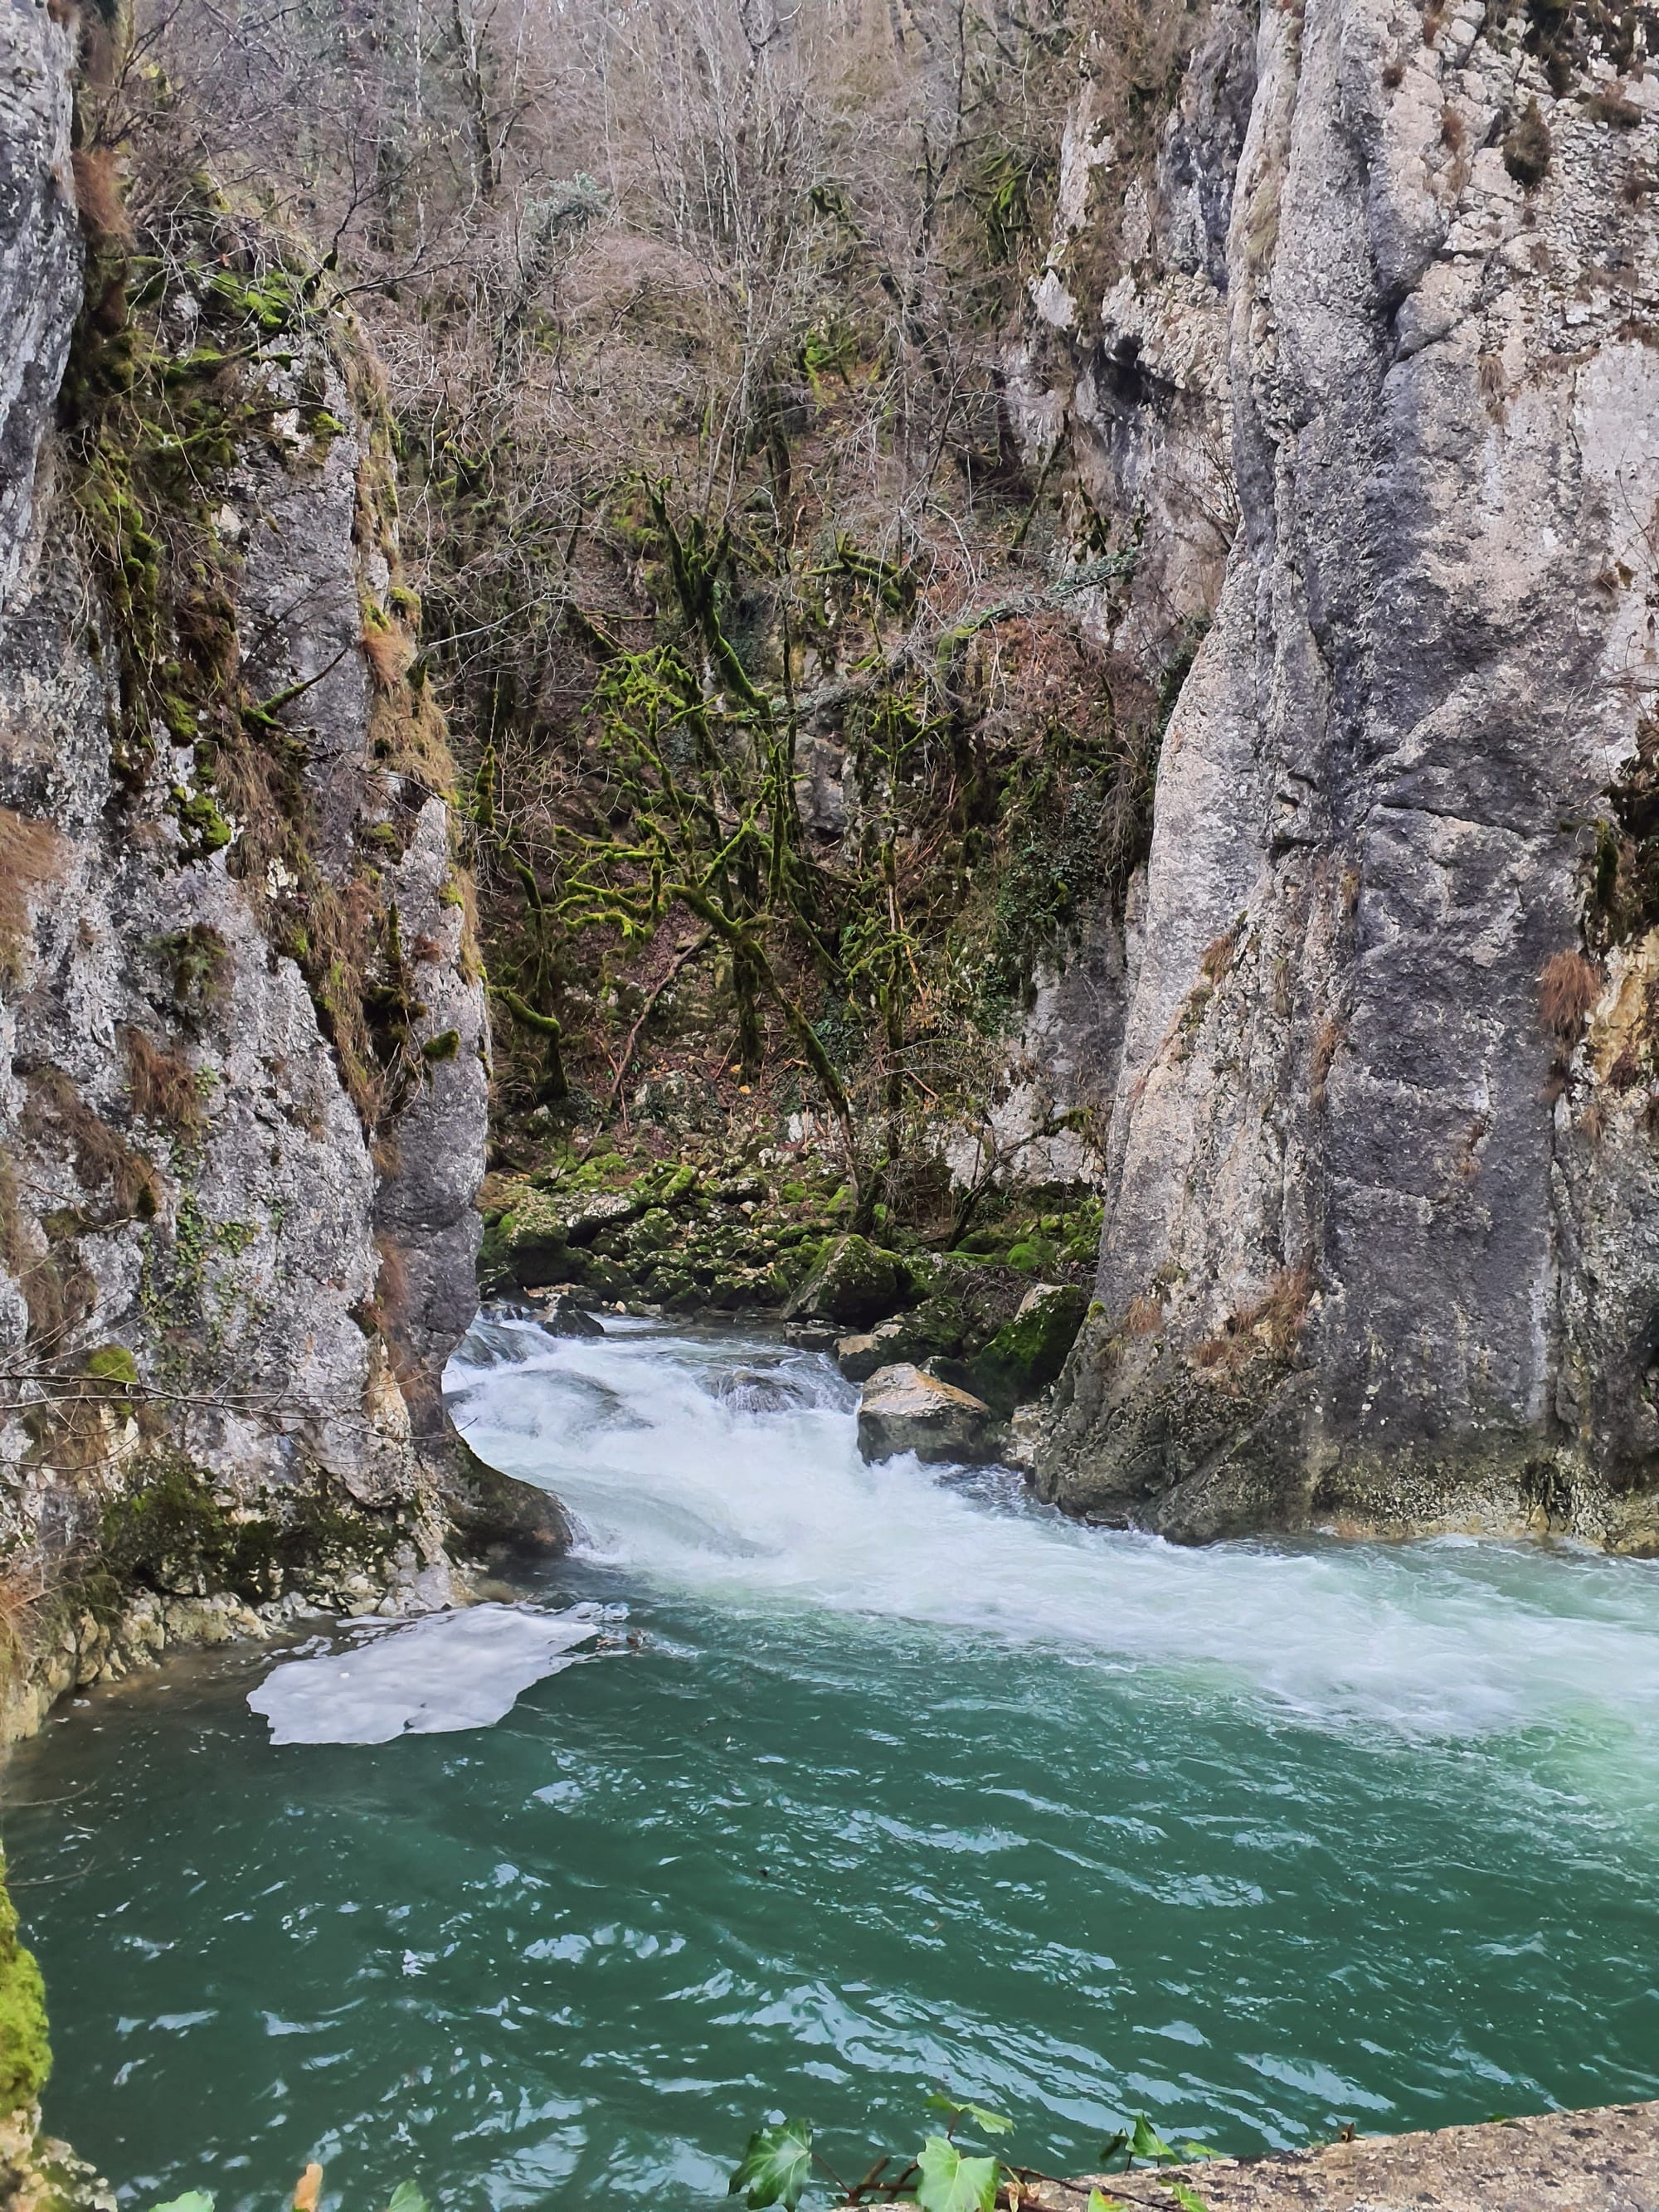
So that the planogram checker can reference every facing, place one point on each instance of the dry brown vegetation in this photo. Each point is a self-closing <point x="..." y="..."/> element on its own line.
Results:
<point x="1568" y="988"/>
<point x="167" y="1090"/>
<point x="31" y="855"/>
<point x="1269" y="1322"/>
<point x="55" y="1112"/>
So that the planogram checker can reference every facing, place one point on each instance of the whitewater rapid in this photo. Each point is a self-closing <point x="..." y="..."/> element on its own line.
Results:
<point x="727" y="1466"/>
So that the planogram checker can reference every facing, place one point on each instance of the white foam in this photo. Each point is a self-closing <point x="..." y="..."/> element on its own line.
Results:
<point x="448" y="1670"/>
<point x="677" y="1477"/>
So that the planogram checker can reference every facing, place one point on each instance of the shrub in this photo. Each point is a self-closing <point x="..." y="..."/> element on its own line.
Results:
<point x="1527" y="148"/>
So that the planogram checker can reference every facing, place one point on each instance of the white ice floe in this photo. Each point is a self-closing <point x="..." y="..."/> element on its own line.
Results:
<point x="448" y="1670"/>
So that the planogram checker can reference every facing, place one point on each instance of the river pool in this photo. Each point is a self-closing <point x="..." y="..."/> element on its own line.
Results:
<point x="844" y="1784"/>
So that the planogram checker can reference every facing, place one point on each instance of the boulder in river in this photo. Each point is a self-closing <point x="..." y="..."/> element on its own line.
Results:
<point x="562" y="1317"/>
<point x="853" y="1281"/>
<point x="903" y="1409"/>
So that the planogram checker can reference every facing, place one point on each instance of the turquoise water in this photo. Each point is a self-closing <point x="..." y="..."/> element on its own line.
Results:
<point x="888" y="1780"/>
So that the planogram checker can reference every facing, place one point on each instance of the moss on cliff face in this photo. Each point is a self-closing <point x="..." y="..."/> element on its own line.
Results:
<point x="25" y="2053"/>
<point x="171" y="1533"/>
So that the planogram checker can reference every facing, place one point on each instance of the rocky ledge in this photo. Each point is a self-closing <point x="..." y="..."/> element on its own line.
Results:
<point x="1603" y="2160"/>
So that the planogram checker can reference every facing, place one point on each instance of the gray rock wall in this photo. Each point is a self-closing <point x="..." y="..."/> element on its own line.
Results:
<point x="243" y="1036"/>
<point x="1382" y="1243"/>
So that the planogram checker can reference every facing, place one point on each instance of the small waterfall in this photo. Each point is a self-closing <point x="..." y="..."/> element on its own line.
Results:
<point x="727" y="1467"/>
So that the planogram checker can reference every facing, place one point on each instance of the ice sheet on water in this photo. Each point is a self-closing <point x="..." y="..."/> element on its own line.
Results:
<point x="448" y="1670"/>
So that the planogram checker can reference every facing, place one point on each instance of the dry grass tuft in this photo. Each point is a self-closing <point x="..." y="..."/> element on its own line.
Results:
<point x="1328" y="1040"/>
<point x="31" y="853"/>
<point x="1144" y="1316"/>
<point x="390" y="654"/>
<point x="1219" y="955"/>
<point x="1269" y="1323"/>
<point x="1568" y="988"/>
<point x="102" y="1156"/>
<point x="165" y="1087"/>
<point x="98" y="197"/>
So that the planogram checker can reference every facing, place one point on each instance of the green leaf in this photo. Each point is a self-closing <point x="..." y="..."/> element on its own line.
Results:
<point x="407" y="2198"/>
<point x="1114" y="2144"/>
<point x="1146" y="2143"/>
<point x="1099" y="2204"/>
<point x="775" y="2166"/>
<point x="1188" y="2199"/>
<point x="1198" y="2150"/>
<point x="988" y="2124"/>
<point x="948" y="2182"/>
<point x="193" y="2200"/>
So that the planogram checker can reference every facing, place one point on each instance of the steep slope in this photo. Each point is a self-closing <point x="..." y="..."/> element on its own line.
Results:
<point x="242" y="1028"/>
<point x="1382" y="1234"/>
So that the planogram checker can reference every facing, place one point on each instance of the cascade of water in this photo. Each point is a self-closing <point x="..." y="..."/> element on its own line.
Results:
<point x="728" y="1468"/>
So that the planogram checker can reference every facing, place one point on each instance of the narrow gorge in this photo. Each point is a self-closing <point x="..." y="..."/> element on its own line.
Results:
<point x="829" y="1076"/>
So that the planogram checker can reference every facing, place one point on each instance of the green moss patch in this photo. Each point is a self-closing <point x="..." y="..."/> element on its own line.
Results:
<point x="25" y="2053"/>
<point x="173" y="1535"/>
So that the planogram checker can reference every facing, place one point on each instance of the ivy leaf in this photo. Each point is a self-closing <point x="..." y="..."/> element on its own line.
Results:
<point x="1188" y="2199"/>
<point x="774" y="2166"/>
<point x="1110" y="2148"/>
<point x="193" y="2200"/>
<point x="407" y="2198"/>
<point x="988" y="2124"/>
<point x="1198" y="2150"/>
<point x="1146" y="2143"/>
<point x="948" y="2182"/>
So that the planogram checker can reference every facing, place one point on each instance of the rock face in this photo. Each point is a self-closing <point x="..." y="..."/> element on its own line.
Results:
<point x="1606" y="2160"/>
<point x="904" y="1409"/>
<point x="242" y="1027"/>
<point x="1381" y="1232"/>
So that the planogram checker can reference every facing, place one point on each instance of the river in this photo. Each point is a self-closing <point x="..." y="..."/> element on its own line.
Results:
<point x="858" y="1783"/>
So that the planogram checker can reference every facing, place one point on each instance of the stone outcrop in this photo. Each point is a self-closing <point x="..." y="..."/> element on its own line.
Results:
<point x="1606" y="2160"/>
<point x="1382" y="1229"/>
<point x="242" y="1027"/>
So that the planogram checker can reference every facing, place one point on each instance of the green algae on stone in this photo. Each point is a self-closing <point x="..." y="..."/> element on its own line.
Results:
<point x="1028" y="1353"/>
<point x="172" y="1535"/>
<point x="25" y="2053"/>
<point x="853" y="1281"/>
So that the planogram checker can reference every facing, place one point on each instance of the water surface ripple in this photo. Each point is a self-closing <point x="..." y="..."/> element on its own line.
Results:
<point x="907" y="1783"/>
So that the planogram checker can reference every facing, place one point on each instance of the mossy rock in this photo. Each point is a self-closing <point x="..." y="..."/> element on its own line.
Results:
<point x="170" y="1534"/>
<point x="854" y="1280"/>
<point x="112" y="1364"/>
<point x="1026" y="1353"/>
<point x="929" y="1331"/>
<point x="25" y="2053"/>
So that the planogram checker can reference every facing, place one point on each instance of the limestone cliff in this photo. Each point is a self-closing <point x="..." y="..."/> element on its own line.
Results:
<point x="243" y="1038"/>
<point x="1364" y="360"/>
